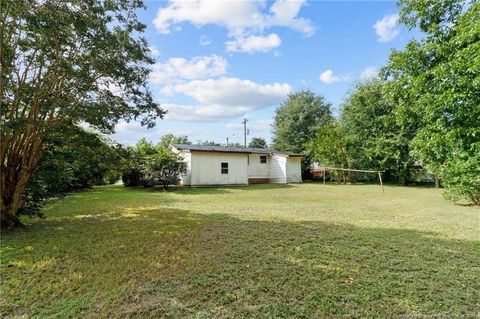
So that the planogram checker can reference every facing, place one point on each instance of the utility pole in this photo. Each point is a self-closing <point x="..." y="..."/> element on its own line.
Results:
<point x="245" y="131"/>
<point x="227" y="141"/>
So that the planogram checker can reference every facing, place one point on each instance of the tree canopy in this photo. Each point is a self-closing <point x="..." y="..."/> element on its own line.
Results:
<point x="164" y="167"/>
<point x="375" y="140"/>
<point x="209" y="143"/>
<point x="435" y="83"/>
<point x="329" y="146"/>
<point x="169" y="138"/>
<point x="258" y="142"/>
<point x="148" y="165"/>
<point x="78" y="61"/>
<point x="423" y="111"/>
<point x="297" y="119"/>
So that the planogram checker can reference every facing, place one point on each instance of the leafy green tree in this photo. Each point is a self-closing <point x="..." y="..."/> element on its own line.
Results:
<point x="461" y="177"/>
<point x="169" y="138"/>
<point x="163" y="167"/>
<point x="134" y="162"/>
<point x="297" y="120"/>
<point x="144" y="148"/>
<point x="75" y="61"/>
<point x="435" y="82"/>
<point x="258" y="142"/>
<point x="329" y="147"/>
<point x="375" y="140"/>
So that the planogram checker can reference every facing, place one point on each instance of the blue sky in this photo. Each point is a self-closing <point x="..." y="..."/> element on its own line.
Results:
<point x="217" y="62"/>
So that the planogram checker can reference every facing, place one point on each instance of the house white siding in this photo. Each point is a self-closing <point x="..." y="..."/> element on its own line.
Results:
<point x="278" y="169"/>
<point x="206" y="168"/>
<point x="187" y="157"/>
<point x="256" y="169"/>
<point x="294" y="170"/>
<point x="185" y="179"/>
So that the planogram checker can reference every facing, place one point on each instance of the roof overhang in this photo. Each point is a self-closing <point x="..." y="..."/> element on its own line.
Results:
<point x="216" y="149"/>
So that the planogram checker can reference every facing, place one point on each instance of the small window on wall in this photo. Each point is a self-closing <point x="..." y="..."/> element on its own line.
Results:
<point x="224" y="168"/>
<point x="263" y="159"/>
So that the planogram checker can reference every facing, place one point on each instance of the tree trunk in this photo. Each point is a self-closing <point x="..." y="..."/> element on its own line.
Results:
<point x="13" y="188"/>
<point x="437" y="181"/>
<point x="9" y="218"/>
<point x="16" y="168"/>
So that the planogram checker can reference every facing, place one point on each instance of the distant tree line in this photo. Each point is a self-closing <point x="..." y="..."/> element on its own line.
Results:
<point x="258" y="142"/>
<point x="423" y="110"/>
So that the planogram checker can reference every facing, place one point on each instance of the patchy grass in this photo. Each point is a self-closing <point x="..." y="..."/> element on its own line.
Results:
<point x="265" y="251"/>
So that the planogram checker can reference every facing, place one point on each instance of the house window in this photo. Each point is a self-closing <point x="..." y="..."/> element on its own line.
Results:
<point x="263" y="159"/>
<point x="224" y="168"/>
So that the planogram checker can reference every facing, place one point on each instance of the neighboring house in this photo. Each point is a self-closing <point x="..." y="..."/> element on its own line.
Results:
<point x="218" y="165"/>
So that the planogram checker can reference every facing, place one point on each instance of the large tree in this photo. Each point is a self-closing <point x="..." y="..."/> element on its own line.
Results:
<point x="374" y="138"/>
<point x="297" y="120"/>
<point x="329" y="147"/>
<point x="436" y="83"/>
<point x="76" y="61"/>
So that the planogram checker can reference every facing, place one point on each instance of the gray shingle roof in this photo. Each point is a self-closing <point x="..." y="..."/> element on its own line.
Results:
<point x="247" y="150"/>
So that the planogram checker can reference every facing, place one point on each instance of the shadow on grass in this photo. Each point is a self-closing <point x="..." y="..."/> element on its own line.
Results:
<point x="376" y="183"/>
<point x="219" y="189"/>
<point x="151" y="263"/>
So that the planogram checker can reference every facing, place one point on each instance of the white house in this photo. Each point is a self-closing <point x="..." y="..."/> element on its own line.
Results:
<point x="218" y="165"/>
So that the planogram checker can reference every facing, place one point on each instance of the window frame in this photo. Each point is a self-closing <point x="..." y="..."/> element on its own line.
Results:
<point x="263" y="157"/>
<point x="224" y="168"/>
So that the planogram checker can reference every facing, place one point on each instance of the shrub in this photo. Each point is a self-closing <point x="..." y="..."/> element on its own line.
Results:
<point x="164" y="167"/>
<point x="132" y="177"/>
<point x="461" y="178"/>
<point x="72" y="159"/>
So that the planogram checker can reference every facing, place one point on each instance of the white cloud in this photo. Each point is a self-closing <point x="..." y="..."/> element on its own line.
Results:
<point x="284" y="13"/>
<point x="232" y="92"/>
<point x="182" y="69"/>
<point x="205" y="40"/>
<point x="387" y="28"/>
<point x="369" y="73"/>
<point x="130" y="132"/>
<point x="241" y="18"/>
<point x="202" y="113"/>
<point x="254" y="43"/>
<point x="236" y="16"/>
<point x="327" y="77"/>
<point x="264" y="125"/>
<point x="223" y="98"/>
<point x="154" y="51"/>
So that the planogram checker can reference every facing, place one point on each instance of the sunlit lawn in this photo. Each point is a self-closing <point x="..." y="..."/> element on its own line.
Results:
<point x="309" y="250"/>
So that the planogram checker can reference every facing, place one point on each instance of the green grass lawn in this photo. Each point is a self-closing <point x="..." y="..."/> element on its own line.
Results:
<point x="293" y="251"/>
